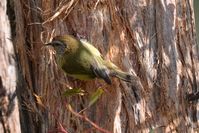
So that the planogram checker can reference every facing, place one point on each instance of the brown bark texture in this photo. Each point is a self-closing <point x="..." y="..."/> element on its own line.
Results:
<point x="152" y="39"/>
<point x="9" y="112"/>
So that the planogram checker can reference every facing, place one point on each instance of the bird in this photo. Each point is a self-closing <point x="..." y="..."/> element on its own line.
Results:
<point x="79" y="59"/>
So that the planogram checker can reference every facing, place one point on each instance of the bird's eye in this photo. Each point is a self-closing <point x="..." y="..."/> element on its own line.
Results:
<point x="59" y="43"/>
<point x="56" y="44"/>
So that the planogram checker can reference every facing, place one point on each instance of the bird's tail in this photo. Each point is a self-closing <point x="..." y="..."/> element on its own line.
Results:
<point x="122" y="75"/>
<point x="116" y="72"/>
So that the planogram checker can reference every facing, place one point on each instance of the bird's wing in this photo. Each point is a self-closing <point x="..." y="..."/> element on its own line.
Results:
<point x="90" y="47"/>
<point x="101" y="73"/>
<point x="97" y="65"/>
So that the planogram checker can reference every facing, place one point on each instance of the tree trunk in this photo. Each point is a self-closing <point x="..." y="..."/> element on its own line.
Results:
<point x="9" y="113"/>
<point x="154" y="40"/>
<point x="196" y="12"/>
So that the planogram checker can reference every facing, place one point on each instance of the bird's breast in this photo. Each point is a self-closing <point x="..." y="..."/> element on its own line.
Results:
<point x="76" y="66"/>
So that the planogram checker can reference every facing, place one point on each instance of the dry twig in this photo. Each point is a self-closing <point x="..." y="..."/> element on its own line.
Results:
<point x="86" y="119"/>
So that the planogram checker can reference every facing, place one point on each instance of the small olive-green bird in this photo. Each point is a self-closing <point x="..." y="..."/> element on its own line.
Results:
<point x="81" y="60"/>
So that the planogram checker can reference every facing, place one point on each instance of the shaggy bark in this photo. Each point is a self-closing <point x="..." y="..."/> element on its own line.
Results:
<point x="9" y="113"/>
<point x="153" y="39"/>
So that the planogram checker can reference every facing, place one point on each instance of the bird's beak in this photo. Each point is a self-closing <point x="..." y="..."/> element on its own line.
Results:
<point x="49" y="44"/>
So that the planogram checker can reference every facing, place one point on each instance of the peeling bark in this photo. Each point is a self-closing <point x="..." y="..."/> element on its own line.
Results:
<point x="9" y="113"/>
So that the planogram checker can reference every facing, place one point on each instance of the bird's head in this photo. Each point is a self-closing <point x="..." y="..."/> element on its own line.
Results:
<point x="63" y="44"/>
<point x="58" y="45"/>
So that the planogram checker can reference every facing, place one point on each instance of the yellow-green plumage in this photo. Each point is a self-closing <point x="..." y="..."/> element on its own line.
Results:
<point x="81" y="60"/>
